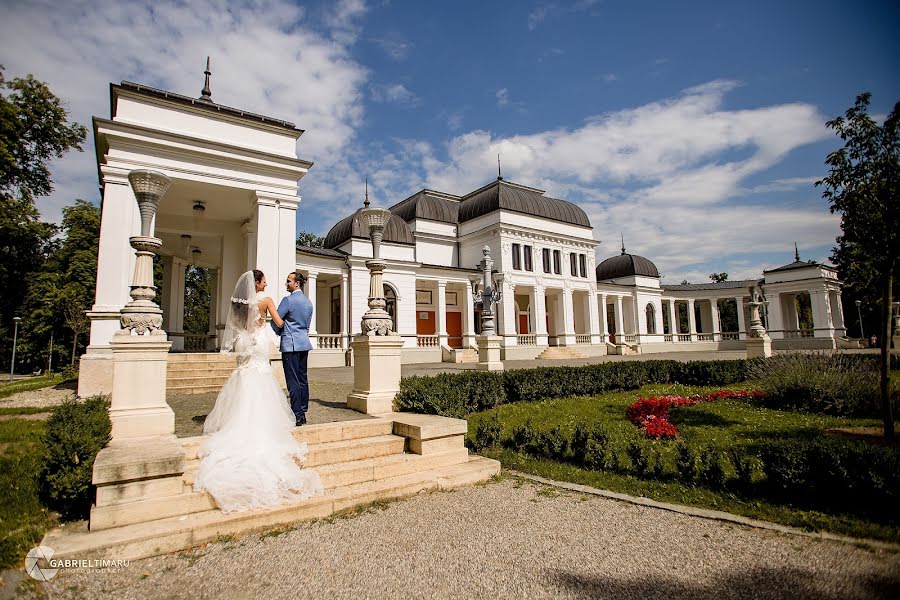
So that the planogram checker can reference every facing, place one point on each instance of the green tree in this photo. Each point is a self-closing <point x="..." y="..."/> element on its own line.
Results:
<point x="718" y="277"/>
<point x="862" y="185"/>
<point x="307" y="238"/>
<point x="196" y="300"/>
<point x="34" y="129"/>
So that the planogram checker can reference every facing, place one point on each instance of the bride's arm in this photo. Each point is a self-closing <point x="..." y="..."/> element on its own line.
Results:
<point x="269" y="305"/>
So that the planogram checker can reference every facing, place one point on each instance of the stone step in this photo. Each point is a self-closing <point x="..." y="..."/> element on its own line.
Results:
<point x="177" y="357"/>
<point x="141" y="540"/>
<point x="183" y="390"/>
<point x="559" y="353"/>
<point x="328" y="453"/>
<point x="209" y="368"/>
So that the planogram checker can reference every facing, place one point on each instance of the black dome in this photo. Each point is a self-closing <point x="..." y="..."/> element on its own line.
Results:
<point x="504" y="195"/>
<point x="396" y="231"/>
<point x="625" y="265"/>
<point x="430" y="205"/>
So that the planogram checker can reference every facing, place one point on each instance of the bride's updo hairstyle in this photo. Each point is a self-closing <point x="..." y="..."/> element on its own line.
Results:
<point x="244" y="312"/>
<point x="258" y="275"/>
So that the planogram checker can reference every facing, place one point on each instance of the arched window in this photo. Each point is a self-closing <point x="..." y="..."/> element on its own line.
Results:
<point x="390" y="298"/>
<point x="650" y="312"/>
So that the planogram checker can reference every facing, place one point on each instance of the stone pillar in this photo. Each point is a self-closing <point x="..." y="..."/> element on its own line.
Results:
<point x="540" y="315"/>
<point x="275" y="236"/>
<point x="508" y="314"/>
<point x="692" y="320"/>
<point x="376" y="373"/>
<point x="212" y="344"/>
<point x="742" y="326"/>
<point x="593" y="317"/>
<point x="248" y="237"/>
<point x="442" y="313"/>
<point x="469" y="325"/>
<point x="673" y="321"/>
<point x="312" y="292"/>
<point x="823" y="325"/>
<point x="619" y="315"/>
<point x="601" y="313"/>
<point x="716" y="326"/>
<point x="567" y="335"/>
<point x="776" y="317"/>
<point x="489" y="353"/>
<point x="837" y="311"/>
<point x="345" y="303"/>
<point x="174" y="270"/>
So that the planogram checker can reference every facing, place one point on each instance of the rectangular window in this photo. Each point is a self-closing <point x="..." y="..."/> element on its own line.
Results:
<point x="546" y="256"/>
<point x="582" y="263"/>
<point x="528" y="265"/>
<point x="517" y="259"/>
<point x="557" y="262"/>
<point x="573" y="268"/>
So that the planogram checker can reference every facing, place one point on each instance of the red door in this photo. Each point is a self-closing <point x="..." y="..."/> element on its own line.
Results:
<point x="454" y="329"/>
<point x="523" y="324"/>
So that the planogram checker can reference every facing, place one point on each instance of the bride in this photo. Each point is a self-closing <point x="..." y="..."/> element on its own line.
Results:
<point x="249" y="459"/>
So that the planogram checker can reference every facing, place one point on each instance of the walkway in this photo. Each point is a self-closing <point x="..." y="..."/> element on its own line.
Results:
<point x="505" y="540"/>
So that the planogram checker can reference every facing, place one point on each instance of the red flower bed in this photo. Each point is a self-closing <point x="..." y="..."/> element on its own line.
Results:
<point x="653" y="413"/>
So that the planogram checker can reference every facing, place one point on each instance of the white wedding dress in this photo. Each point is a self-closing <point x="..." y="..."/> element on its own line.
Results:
<point x="249" y="459"/>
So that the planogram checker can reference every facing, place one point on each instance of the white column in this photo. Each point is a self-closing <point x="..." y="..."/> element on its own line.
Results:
<point x="620" y="321"/>
<point x="508" y="317"/>
<point x="837" y="311"/>
<point x="248" y="237"/>
<point x="673" y="321"/>
<point x="540" y="315"/>
<point x="286" y="249"/>
<point x="593" y="317"/>
<point x="692" y="320"/>
<point x="174" y="309"/>
<point x="568" y="310"/>
<point x="345" y="299"/>
<point x="275" y="236"/>
<point x="601" y="313"/>
<point x="469" y="325"/>
<point x="212" y="345"/>
<point x="714" y="311"/>
<point x="442" y="313"/>
<point x="776" y="316"/>
<point x="823" y="326"/>
<point x="312" y="292"/>
<point x="742" y="323"/>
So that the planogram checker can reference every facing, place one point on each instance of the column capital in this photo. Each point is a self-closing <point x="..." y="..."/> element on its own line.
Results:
<point x="113" y="175"/>
<point x="261" y="198"/>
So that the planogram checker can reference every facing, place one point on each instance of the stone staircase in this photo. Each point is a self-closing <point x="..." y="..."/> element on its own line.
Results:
<point x="359" y="461"/>
<point x="198" y="372"/>
<point x="468" y="355"/>
<point x="559" y="353"/>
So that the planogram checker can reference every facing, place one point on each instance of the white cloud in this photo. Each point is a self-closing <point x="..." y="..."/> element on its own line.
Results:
<point x="267" y="56"/>
<point x="502" y="97"/>
<point x="394" y="46"/>
<point x="543" y="10"/>
<point x="610" y="77"/>
<point x="396" y="93"/>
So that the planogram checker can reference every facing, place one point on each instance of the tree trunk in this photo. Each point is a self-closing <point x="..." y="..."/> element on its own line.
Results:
<point x="74" y="347"/>
<point x="886" y="409"/>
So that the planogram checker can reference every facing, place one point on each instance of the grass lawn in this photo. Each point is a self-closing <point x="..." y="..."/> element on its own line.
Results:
<point x="23" y="518"/>
<point x="32" y="383"/>
<point x="723" y="424"/>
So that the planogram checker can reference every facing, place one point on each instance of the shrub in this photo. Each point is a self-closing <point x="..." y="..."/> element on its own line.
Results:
<point x="488" y="432"/>
<point x="743" y="467"/>
<point x="639" y="462"/>
<point x="69" y="372"/>
<point x="580" y="438"/>
<point x="598" y="454"/>
<point x="451" y="394"/>
<point x="709" y="470"/>
<point x="76" y="432"/>
<point x="553" y="444"/>
<point x="830" y="383"/>
<point x="685" y="463"/>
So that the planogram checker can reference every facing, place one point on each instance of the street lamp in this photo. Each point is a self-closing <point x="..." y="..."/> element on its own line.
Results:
<point x="489" y="294"/>
<point x="15" y="335"/>
<point x="862" y="335"/>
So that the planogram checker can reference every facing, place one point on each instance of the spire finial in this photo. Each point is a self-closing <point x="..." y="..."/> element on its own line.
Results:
<point x="499" y="175"/>
<point x="205" y="93"/>
<point x="796" y="253"/>
<point x="366" y="203"/>
<point x="623" y="242"/>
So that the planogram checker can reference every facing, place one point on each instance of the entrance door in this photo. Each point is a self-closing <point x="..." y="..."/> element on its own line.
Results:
<point x="523" y="323"/>
<point x="454" y="329"/>
<point x="425" y="323"/>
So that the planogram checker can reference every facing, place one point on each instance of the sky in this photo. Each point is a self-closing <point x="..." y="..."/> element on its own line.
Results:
<point x="695" y="130"/>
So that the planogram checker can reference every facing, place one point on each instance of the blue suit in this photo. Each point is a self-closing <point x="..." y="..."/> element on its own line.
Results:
<point x="296" y="311"/>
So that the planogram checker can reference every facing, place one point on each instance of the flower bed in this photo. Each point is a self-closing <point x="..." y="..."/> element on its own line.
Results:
<point x="653" y="413"/>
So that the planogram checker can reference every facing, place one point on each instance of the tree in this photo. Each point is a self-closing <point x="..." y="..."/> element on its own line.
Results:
<point x="306" y="238"/>
<point x="196" y="300"/>
<point x="718" y="277"/>
<point x="862" y="185"/>
<point x="34" y="129"/>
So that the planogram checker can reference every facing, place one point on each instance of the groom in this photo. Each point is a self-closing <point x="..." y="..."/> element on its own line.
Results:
<point x="296" y="310"/>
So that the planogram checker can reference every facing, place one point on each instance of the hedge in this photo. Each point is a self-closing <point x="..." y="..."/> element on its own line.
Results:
<point x="459" y="394"/>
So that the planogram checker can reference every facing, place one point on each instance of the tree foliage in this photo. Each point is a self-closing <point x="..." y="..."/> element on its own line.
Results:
<point x="862" y="186"/>
<point x="196" y="300"/>
<point x="307" y="238"/>
<point x="718" y="277"/>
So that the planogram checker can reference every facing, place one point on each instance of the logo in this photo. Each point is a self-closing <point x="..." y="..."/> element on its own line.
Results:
<point x="32" y="567"/>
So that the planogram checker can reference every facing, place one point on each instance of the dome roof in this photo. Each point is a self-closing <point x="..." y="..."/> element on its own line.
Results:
<point x="396" y="231"/>
<point x="503" y="195"/>
<point x="430" y="205"/>
<point x="625" y="265"/>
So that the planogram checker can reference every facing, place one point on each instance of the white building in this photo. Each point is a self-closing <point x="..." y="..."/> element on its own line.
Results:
<point x="232" y="207"/>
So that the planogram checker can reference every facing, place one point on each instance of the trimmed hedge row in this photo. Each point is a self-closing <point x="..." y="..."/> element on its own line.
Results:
<point x="459" y="394"/>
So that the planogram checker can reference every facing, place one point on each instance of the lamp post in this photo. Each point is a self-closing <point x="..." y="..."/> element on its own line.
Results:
<point x="12" y="367"/>
<point x="376" y="321"/>
<point x="862" y="334"/>
<point x="489" y="294"/>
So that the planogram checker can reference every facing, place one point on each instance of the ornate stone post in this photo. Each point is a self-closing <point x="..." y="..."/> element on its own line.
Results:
<point x="759" y="344"/>
<point x="376" y="352"/>
<point x="488" y="342"/>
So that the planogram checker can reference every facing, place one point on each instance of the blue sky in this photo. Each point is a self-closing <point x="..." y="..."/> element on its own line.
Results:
<point x="696" y="129"/>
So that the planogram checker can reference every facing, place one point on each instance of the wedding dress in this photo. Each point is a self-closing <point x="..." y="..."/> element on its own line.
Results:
<point x="249" y="459"/>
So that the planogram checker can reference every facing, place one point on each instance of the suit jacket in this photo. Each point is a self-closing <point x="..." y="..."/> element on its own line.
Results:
<point x="296" y="310"/>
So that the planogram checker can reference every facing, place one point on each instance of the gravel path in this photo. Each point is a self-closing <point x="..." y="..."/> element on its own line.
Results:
<point x="506" y="539"/>
<point x="45" y="397"/>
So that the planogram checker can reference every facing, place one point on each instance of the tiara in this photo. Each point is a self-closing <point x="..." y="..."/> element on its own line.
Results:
<point x="240" y="300"/>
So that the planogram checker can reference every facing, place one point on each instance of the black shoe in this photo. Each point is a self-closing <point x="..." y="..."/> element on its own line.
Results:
<point x="301" y="421"/>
